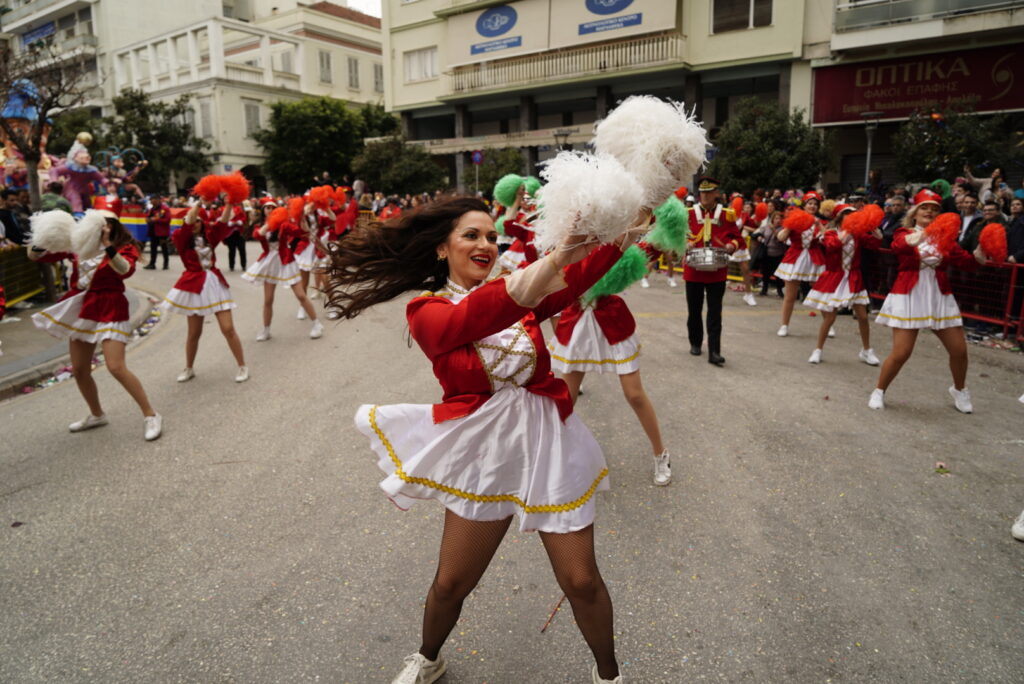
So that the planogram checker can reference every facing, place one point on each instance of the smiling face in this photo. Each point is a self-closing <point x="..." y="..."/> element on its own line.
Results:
<point x="811" y="206"/>
<point x="471" y="249"/>
<point x="926" y="213"/>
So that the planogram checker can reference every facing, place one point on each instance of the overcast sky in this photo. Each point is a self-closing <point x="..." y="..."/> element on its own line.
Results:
<point x="367" y="6"/>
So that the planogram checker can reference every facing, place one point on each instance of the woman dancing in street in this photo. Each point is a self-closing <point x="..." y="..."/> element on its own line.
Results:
<point x="803" y="262"/>
<point x="841" y="285"/>
<point x="202" y="290"/>
<point x="504" y="439"/>
<point x="95" y="311"/>
<point x="921" y="296"/>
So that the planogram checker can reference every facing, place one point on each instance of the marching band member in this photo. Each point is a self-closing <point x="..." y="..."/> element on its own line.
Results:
<point x="711" y="225"/>
<point x="803" y="262"/>
<point x="95" y="311"/>
<point x="202" y="289"/>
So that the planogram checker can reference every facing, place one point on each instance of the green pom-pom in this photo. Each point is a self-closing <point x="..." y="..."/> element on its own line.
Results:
<point x="532" y="186"/>
<point x="631" y="267"/>
<point x="941" y="186"/>
<point x="500" y="224"/>
<point x="670" y="227"/>
<point x="505" y="189"/>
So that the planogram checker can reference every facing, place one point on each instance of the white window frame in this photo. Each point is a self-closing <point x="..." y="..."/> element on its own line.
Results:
<point x="287" y="63"/>
<point x="750" y="19"/>
<point x="353" y="73"/>
<point x="325" y="66"/>
<point x="250" y="117"/>
<point x="378" y="78"/>
<point x="428" y="73"/>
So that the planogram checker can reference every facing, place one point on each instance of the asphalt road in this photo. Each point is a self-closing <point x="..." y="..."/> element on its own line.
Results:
<point x="805" y="538"/>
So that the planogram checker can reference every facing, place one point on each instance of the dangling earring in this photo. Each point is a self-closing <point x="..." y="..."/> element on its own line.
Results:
<point x="441" y="257"/>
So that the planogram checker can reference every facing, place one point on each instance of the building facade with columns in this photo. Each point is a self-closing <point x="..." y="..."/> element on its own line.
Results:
<point x="234" y="57"/>
<point x="469" y="75"/>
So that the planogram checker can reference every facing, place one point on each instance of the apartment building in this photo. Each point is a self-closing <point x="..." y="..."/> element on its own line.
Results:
<point x="881" y="60"/>
<point x="235" y="57"/>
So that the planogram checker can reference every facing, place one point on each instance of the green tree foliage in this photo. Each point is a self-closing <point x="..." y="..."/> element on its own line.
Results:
<point x="377" y="123"/>
<point x="68" y="124"/>
<point x="497" y="163"/>
<point x="393" y="167"/>
<point x="309" y="136"/>
<point x="764" y="146"/>
<point x="937" y="144"/>
<point x="161" y="131"/>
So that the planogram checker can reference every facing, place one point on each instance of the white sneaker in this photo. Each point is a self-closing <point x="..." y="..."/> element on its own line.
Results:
<point x="877" y="400"/>
<point x="596" y="678"/>
<point x="672" y="281"/>
<point x="243" y="374"/>
<point x="317" y="331"/>
<point x="962" y="399"/>
<point x="815" y="356"/>
<point x="1021" y="400"/>
<point x="333" y="315"/>
<point x="301" y="315"/>
<point x="315" y="295"/>
<point x="88" y="423"/>
<point x="832" y="331"/>
<point x="868" y="357"/>
<point x="263" y="335"/>
<point x="749" y="299"/>
<point x="783" y="331"/>
<point x="1018" y="527"/>
<point x="644" y="282"/>
<point x="154" y="426"/>
<point x="662" y="469"/>
<point x="419" y="670"/>
<point x="186" y="375"/>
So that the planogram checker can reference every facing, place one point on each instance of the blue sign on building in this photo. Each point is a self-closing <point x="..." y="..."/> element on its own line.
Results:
<point x="44" y="31"/>
<point x="495" y="22"/>
<point x="607" y="6"/>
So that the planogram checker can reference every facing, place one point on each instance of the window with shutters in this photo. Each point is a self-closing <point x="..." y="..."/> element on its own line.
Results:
<point x="378" y="78"/>
<point x="252" y="117"/>
<point x="286" y="62"/>
<point x="353" y="73"/>
<point x="325" y="66"/>
<point x="205" y="119"/>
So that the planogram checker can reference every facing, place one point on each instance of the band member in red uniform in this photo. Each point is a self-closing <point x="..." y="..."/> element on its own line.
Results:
<point x="159" y="219"/>
<point x="711" y="225"/>
<point x="95" y="311"/>
<point x="202" y="290"/>
<point x="504" y="440"/>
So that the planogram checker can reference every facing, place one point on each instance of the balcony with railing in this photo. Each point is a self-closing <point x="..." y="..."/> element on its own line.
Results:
<point x="567" y="64"/>
<point x="33" y="12"/>
<point x="854" y="15"/>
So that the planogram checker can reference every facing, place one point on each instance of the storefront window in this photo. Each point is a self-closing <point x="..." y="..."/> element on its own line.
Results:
<point x="734" y="15"/>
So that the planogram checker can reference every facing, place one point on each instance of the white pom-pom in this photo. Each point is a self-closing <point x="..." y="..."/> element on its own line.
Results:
<point x="657" y="141"/>
<point x="87" y="233"/>
<point x="585" y="195"/>
<point x="51" y="230"/>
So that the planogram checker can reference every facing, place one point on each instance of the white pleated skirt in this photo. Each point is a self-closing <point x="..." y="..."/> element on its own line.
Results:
<point x="842" y="298"/>
<point x="803" y="268"/>
<point x="270" y="270"/>
<point x="924" y="307"/>
<point x="739" y="256"/>
<point x="63" y="320"/>
<point x="212" y="298"/>
<point x="512" y="456"/>
<point x="589" y="351"/>
<point x="306" y="259"/>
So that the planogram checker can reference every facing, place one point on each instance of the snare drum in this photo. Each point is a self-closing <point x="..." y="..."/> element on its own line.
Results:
<point x="707" y="258"/>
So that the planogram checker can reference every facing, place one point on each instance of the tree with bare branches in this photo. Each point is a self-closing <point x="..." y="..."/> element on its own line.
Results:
<point x="36" y="82"/>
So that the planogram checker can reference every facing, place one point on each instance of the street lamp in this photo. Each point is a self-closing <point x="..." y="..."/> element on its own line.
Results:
<point x="561" y="138"/>
<point x="870" y="126"/>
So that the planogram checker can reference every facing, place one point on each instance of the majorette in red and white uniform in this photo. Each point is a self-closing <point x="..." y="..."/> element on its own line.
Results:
<point x="202" y="289"/>
<point x="307" y="254"/>
<point x="596" y="337"/>
<point x="805" y="259"/>
<point x="921" y="296"/>
<point x="94" y="308"/>
<point x="522" y="253"/>
<point x="841" y="284"/>
<point x="276" y="266"/>
<point x="345" y="220"/>
<point x="504" y="439"/>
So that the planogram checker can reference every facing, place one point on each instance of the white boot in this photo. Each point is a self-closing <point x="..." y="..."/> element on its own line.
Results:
<point x="877" y="399"/>
<point x="596" y="678"/>
<point x="815" y="356"/>
<point x="263" y="335"/>
<point x="301" y="315"/>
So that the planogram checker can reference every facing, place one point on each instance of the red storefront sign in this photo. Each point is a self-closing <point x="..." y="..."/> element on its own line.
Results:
<point x="983" y="80"/>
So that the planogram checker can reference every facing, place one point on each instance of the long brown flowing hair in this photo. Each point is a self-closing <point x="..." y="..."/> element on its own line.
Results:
<point x="120" y="236"/>
<point x="379" y="262"/>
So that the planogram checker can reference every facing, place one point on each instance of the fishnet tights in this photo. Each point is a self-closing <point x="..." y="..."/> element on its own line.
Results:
<point x="467" y="547"/>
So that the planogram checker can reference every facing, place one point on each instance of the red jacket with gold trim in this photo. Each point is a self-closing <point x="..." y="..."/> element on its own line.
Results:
<point x="909" y="264"/>
<point x="724" y="232"/>
<point x="194" y="277"/>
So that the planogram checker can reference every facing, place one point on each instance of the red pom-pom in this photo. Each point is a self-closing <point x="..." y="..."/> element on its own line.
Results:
<point x="737" y="205"/>
<point x="339" y="195"/>
<point x="797" y="220"/>
<point x="208" y="188"/>
<point x="863" y="221"/>
<point x="276" y="218"/>
<point x="944" y="231"/>
<point x="993" y="242"/>
<point x="681" y="192"/>
<point x="321" y="196"/>
<point x="760" y="212"/>
<point x="236" y="187"/>
<point x="295" y="207"/>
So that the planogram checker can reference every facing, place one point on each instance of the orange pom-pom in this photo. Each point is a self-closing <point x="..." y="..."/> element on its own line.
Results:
<point x="295" y="207"/>
<point x="321" y="196"/>
<point x="737" y="204"/>
<point x="863" y="221"/>
<point x="208" y="188"/>
<point x="797" y="220"/>
<point x="682" y="191"/>
<point x="944" y="231"/>
<point x="993" y="242"/>
<point x="276" y="218"/>
<point x="760" y="212"/>
<point x="339" y="195"/>
<point x="236" y="187"/>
